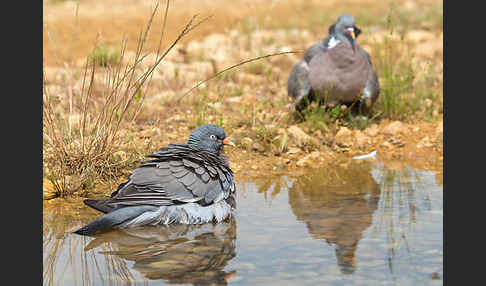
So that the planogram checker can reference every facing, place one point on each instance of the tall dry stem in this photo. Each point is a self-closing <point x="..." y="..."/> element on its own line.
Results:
<point x="81" y="153"/>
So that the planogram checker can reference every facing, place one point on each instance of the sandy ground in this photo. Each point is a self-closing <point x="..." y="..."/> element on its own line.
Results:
<point x="254" y="99"/>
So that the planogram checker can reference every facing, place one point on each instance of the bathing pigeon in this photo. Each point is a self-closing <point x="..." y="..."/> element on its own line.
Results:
<point x="183" y="184"/>
<point x="335" y="70"/>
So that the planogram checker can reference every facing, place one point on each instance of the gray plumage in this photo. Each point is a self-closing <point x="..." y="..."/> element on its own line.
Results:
<point x="335" y="70"/>
<point x="184" y="183"/>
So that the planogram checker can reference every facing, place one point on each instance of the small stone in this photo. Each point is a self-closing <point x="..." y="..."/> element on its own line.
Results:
<point x="280" y="165"/>
<point x="394" y="128"/>
<point x="372" y="131"/>
<point x="425" y="142"/>
<point x="395" y="141"/>
<point x="309" y="160"/>
<point x="314" y="155"/>
<point x="258" y="147"/>
<point x="361" y="140"/>
<point x="386" y="144"/>
<point x="293" y="150"/>
<point x="300" y="136"/>
<point x="246" y="142"/>
<point x="344" y="137"/>
<point x="301" y="163"/>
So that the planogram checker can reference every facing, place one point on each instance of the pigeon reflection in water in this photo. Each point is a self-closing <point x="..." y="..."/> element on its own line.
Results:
<point x="337" y="207"/>
<point x="195" y="254"/>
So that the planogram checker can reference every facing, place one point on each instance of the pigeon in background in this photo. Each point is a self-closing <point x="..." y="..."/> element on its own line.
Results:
<point x="335" y="70"/>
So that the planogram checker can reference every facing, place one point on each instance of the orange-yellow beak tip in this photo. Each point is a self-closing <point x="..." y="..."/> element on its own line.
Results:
<point x="351" y="32"/>
<point x="226" y="141"/>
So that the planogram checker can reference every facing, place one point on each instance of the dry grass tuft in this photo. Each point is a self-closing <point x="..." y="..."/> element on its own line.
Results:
<point x="82" y="134"/>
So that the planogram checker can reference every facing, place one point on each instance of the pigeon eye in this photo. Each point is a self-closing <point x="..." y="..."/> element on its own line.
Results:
<point x="212" y="137"/>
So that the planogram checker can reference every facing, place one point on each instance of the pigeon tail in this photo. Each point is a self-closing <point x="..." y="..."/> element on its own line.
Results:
<point x="113" y="218"/>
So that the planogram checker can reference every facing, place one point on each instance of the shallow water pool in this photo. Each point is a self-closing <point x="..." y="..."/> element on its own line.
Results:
<point x="365" y="223"/>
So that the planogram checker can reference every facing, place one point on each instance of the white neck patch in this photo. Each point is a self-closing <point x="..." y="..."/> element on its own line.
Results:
<point x="332" y="43"/>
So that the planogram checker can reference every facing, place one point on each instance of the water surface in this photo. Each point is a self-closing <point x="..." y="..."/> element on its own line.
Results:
<point x="361" y="224"/>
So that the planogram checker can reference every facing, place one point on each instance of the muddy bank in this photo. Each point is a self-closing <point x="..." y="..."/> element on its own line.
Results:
<point x="419" y="145"/>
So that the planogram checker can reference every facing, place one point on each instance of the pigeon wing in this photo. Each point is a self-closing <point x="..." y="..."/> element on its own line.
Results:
<point x="178" y="174"/>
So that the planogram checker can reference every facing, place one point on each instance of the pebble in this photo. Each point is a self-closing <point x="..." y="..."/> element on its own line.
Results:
<point x="386" y="144"/>
<point x="258" y="147"/>
<point x="372" y="131"/>
<point x="299" y="135"/>
<point x="394" y="128"/>
<point x="362" y="141"/>
<point x="246" y="142"/>
<point x="309" y="159"/>
<point x="280" y="165"/>
<point x="293" y="150"/>
<point x="302" y="163"/>
<point x="344" y="137"/>
<point x="425" y="142"/>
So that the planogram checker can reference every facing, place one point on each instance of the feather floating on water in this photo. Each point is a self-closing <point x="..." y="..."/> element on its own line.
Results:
<point x="370" y="155"/>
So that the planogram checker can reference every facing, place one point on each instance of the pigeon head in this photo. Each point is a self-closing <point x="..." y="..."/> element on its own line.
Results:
<point x="209" y="137"/>
<point x="345" y="30"/>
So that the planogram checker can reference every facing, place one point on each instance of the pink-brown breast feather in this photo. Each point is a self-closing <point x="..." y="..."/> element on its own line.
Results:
<point x="339" y="72"/>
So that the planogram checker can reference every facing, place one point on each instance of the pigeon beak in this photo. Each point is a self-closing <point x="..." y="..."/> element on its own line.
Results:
<point x="353" y="37"/>
<point x="226" y="141"/>
<point x="351" y="32"/>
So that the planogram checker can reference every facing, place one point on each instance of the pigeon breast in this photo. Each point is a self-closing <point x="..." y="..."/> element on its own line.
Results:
<point x="340" y="74"/>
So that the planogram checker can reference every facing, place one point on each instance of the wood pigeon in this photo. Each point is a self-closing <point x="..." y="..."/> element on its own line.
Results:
<point x="335" y="70"/>
<point x="184" y="184"/>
